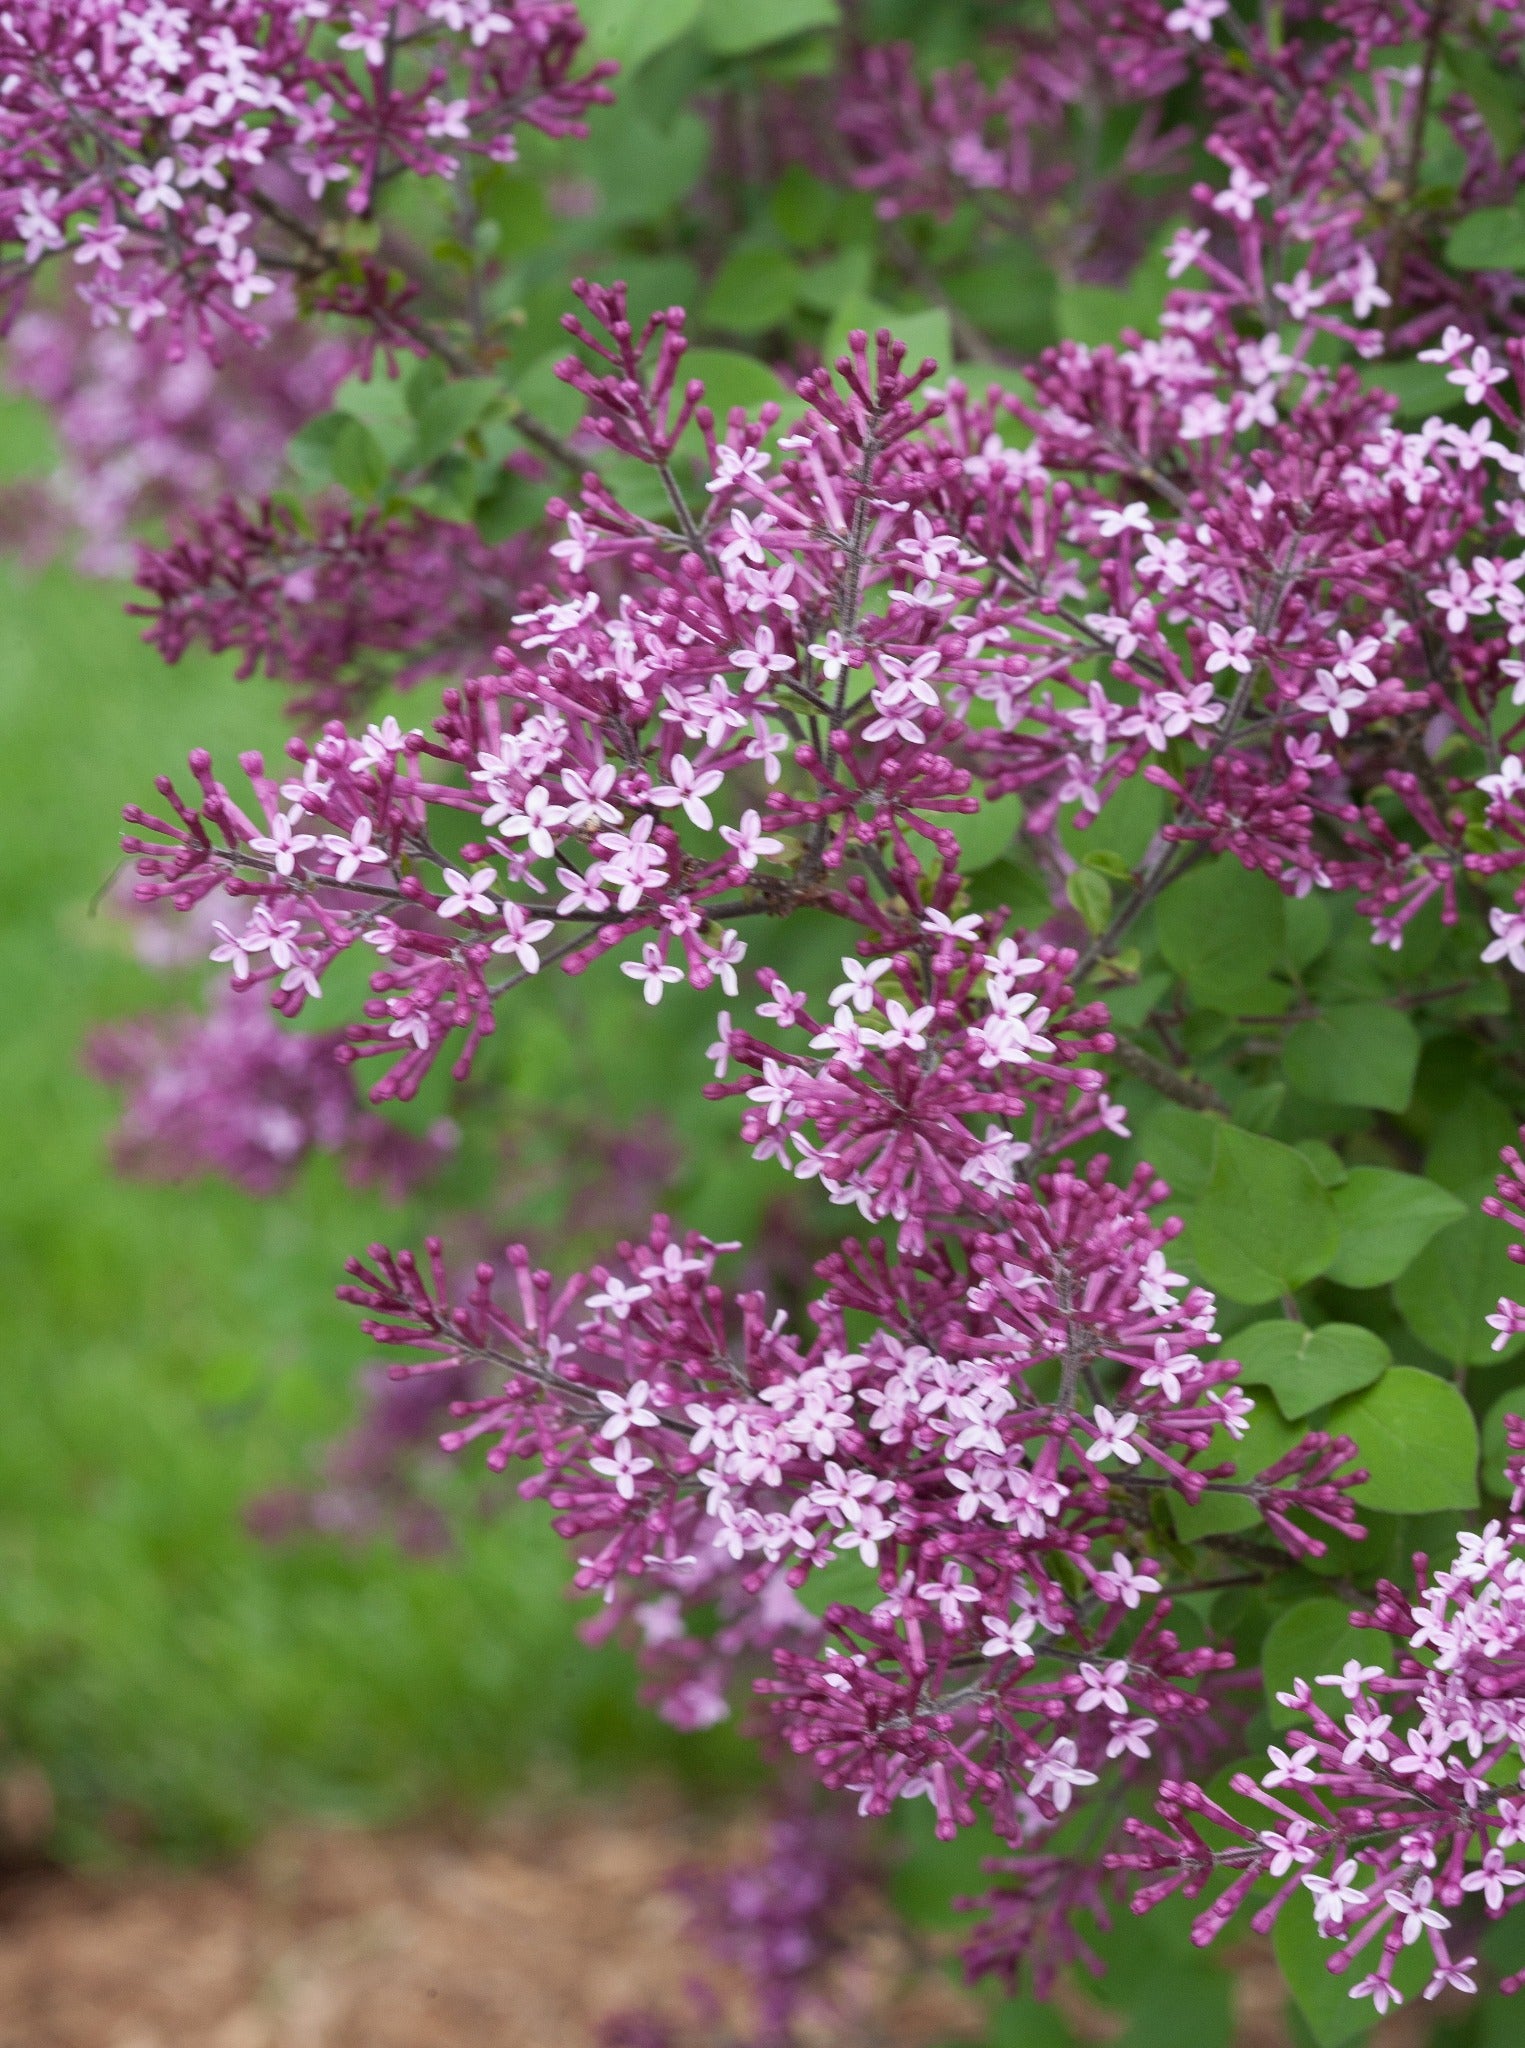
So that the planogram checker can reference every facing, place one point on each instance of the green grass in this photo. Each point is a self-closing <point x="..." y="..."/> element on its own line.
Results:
<point x="168" y="1352"/>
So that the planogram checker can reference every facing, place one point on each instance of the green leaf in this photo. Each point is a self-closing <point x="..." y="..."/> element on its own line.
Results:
<point x="359" y="462"/>
<point x="1009" y="297"/>
<point x="1313" y="1640"/>
<point x="1178" y="2005"/>
<point x="310" y="452"/>
<point x="731" y="378"/>
<point x="803" y="208"/>
<point x="1420" y="388"/>
<point x="381" y="405"/>
<point x="421" y="383"/>
<point x="735" y="28"/>
<point x="1130" y="1005"/>
<point x="1309" y="925"/>
<point x="630" y="31"/>
<point x="1417" y="1439"/>
<point x="1264" y="1224"/>
<point x="1257" y="1108"/>
<point x="541" y="392"/>
<point x="1223" y="930"/>
<point x="1179" y="1144"/>
<point x="926" y="1875"/>
<point x="846" y="1579"/>
<point x="644" y="171"/>
<point x="518" y="209"/>
<point x="1361" y="1053"/>
<point x="1493" y="238"/>
<point x="1464" y="1151"/>
<point x="986" y="834"/>
<point x="1306" y="1368"/>
<point x="1091" y="895"/>
<point x="1097" y="313"/>
<point x="1266" y="1439"/>
<point x="1493" y="90"/>
<point x="1325" y="1161"/>
<point x="753" y="290"/>
<point x="925" y="333"/>
<point x="1124" y="825"/>
<point x="448" y="413"/>
<point x="1386" y="1219"/>
<point x="1456" y="1282"/>
<point x="1020" y="888"/>
<point x="1022" y="2022"/>
<point x="827" y="285"/>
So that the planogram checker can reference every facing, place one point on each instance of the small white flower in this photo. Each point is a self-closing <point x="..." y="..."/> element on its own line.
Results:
<point x="471" y="893"/>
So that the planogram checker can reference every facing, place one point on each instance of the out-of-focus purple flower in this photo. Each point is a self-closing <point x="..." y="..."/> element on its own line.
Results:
<point x="149" y="432"/>
<point x="778" y="1919"/>
<point x="233" y="1093"/>
<point x="1008" y="135"/>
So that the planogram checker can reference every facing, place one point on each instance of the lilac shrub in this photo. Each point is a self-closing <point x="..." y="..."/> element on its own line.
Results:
<point x="1128" y="743"/>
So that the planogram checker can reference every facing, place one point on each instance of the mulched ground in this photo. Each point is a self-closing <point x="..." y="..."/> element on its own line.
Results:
<point x="525" y="1935"/>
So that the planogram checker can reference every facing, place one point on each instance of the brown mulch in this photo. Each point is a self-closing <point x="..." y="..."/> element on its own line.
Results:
<point x="527" y="1934"/>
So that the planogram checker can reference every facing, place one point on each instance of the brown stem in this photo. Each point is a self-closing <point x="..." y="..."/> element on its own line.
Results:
<point x="1143" y="1066"/>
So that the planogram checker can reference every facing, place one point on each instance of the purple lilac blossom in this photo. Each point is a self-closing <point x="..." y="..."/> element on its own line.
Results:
<point x="1396" y="1803"/>
<point x="329" y="602"/>
<point x="234" y="1093"/>
<point x="181" y="158"/>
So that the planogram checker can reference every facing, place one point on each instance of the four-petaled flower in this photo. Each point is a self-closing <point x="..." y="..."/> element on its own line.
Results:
<point x="469" y="895"/>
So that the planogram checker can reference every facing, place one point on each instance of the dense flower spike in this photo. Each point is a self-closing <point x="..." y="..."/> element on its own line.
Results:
<point x="1007" y="139"/>
<point x="912" y="609"/>
<point x="330" y="603"/>
<point x="987" y="1452"/>
<point x="180" y="158"/>
<point x="779" y="1919"/>
<point x="1395" y="1803"/>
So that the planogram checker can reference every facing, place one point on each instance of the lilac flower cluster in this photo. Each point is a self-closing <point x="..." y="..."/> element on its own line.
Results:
<point x="1000" y="134"/>
<point x="1245" y="576"/>
<point x="779" y="1918"/>
<point x="1396" y="1803"/>
<point x="368" y="1485"/>
<point x="179" y="157"/>
<point x="1397" y="1800"/>
<point x="987" y="1453"/>
<point x="233" y="1093"/>
<point x="1306" y="106"/>
<point x="936" y="1527"/>
<point x="329" y="602"/>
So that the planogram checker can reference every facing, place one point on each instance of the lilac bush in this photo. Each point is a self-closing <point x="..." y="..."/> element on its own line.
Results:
<point x="1090" y="780"/>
